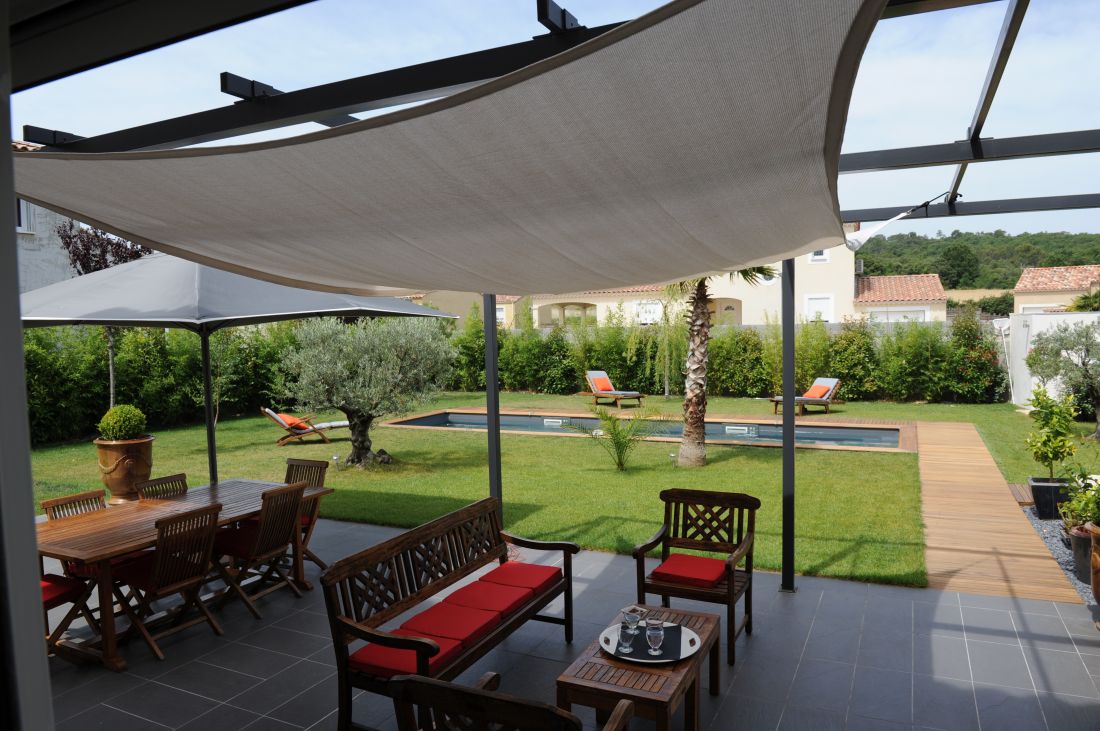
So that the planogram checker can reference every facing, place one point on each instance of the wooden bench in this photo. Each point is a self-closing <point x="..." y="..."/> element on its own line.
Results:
<point x="366" y="590"/>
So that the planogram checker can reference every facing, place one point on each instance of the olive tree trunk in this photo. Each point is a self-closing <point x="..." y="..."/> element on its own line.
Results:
<point x="360" y="424"/>
<point x="693" y="445"/>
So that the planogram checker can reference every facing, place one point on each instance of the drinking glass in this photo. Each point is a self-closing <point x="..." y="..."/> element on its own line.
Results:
<point x="654" y="635"/>
<point x="632" y="619"/>
<point x="625" y="639"/>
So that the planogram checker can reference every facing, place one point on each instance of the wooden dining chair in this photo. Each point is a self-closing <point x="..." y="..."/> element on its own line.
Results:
<point x="255" y="549"/>
<point x="60" y="590"/>
<point x="80" y="504"/>
<point x="178" y="564"/>
<point x="162" y="487"/>
<point x="312" y="472"/>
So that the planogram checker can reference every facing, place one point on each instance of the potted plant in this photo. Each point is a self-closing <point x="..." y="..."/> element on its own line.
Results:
<point x="1081" y="507"/>
<point x="1050" y="445"/>
<point x="125" y="452"/>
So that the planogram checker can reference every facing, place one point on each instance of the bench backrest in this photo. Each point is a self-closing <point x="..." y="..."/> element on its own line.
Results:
<point x="708" y="521"/>
<point x="383" y="581"/>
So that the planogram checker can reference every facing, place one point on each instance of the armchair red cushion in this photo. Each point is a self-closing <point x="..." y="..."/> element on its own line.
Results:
<point x="690" y="570"/>
<point x="453" y="622"/>
<point x="527" y="575"/>
<point x="58" y="590"/>
<point x="386" y="662"/>
<point x="492" y="597"/>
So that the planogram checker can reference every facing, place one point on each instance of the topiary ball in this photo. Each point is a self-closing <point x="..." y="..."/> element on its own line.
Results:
<point x="122" y="422"/>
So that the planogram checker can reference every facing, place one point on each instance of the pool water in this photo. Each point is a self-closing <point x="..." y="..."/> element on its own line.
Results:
<point x="717" y="431"/>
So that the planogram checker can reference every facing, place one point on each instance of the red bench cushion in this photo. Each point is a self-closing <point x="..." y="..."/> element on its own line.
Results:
<point x="138" y="572"/>
<point x="492" y="597"/>
<point x="527" y="575"/>
<point x="454" y="622"/>
<point x="58" y="590"/>
<point x="691" y="570"/>
<point x="386" y="662"/>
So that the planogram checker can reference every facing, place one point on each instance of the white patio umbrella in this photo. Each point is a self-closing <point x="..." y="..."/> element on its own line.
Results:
<point x="163" y="291"/>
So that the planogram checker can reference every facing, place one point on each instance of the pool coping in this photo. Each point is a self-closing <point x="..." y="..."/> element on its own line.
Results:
<point x="907" y="432"/>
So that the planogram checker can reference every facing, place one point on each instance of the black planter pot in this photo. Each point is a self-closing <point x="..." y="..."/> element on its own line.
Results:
<point x="1047" y="493"/>
<point x="1082" y="555"/>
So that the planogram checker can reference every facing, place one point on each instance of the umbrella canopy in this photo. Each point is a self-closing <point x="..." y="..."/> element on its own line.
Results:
<point x="163" y="291"/>
<point x="701" y="137"/>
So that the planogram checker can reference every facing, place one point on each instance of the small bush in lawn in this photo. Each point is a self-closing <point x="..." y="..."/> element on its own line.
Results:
<point x="854" y="360"/>
<point x="618" y="436"/>
<point x="737" y="366"/>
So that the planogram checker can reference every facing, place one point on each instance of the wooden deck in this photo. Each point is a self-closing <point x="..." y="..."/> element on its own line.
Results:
<point x="976" y="538"/>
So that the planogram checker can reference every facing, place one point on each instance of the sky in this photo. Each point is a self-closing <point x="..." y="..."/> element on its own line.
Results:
<point x="918" y="84"/>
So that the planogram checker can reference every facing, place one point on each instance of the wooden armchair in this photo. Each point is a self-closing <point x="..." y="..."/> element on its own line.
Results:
<point x="448" y="707"/>
<point x="162" y="487"/>
<point x="312" y="472"/>
<point x="715" y="522"/>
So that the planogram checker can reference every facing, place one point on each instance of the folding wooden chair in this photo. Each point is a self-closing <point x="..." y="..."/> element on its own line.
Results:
<point x="59" y="590"/>
<point x="162" y="487"/>
<point x="312" y="472"/>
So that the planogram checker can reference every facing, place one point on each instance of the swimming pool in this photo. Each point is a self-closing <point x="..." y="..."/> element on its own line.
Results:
<point x="718" y="432"/>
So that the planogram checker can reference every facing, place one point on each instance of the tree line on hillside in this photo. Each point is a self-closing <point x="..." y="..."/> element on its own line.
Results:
<point x="966" y="260"/>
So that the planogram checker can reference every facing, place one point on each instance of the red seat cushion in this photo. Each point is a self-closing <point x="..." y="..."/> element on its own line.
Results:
<point x="58" y="590"/>
<point x="492" y="597"/>
<point x="92" y="569"/>
<point x="454" y="622"/>
<point x="237" y="542"/>
<point x="138" y="572"/>
<point x="386" y="662"/>
<point x="527" y="575"/>
<point x="691" y="570"/>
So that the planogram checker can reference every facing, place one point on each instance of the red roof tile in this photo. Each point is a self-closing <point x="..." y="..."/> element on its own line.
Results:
<point x="900" y="288"/>
<point x="20" y="146"/>
<point x="1058" y="279"/>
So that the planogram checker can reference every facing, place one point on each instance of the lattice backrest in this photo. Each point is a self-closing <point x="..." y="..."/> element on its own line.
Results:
<point x="185" y="542"/>
<point x="459" y="708"/>
<point x="278" y="518"/>
<point x="708" y="521"/>
<point x="383" y="581"/>
<point x="310" y="471"/>
<point x="78" y="504"/>
<point x="162" y="487"/>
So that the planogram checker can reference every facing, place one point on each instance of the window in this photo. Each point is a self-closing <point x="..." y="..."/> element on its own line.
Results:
<point x="899" y="314"/>
<point x="821" y="256"/>
<point x="24" y="216"/>
<point x="500" y="315"/>
<point x="648" y="313"/>
<point x="1034" y="309"/>
<point x="818" y="305"/>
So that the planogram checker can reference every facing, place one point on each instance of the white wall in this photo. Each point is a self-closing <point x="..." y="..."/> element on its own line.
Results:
<point x="1022" y="331"/>
<point x="42" y="258"/>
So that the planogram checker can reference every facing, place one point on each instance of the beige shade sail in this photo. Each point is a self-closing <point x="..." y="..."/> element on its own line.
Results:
<point x="702" y="137"/>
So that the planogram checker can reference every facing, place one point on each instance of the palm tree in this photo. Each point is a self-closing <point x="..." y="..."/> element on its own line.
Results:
<point x="693" y="445"/>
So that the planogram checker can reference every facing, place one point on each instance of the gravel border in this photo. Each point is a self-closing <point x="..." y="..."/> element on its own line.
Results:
<point x="1051" y="533"/>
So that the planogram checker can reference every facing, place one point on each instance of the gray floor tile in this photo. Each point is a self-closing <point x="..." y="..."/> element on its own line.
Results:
<point x="989" y="625"/>
<point x="944" y="704"/>
<point x="796" y="718"/>
<point x="886" y="651"/>
<point x="164" y="705"/>
<point x="222" y="718"/>
<point x="943" y="620"/>
<point x="765" y="678"/>
<point x="208" y="681"/>
<point x="104" y="717"/>
<point x="829" y="641"/>
<point x="1085" y="635"/>
<point x="269" y="724"/>
<point x="822" y="684"/>
<point x="941" y="657"/>
<point x="1069" y="713"/>
<point x="1060" y="672"/>
<point x="882" y="694"/>
<point x="307" y="621"/>
<point x="1008" y="709"/>
<point x="861" y="723"/>
<point x="1043" y="632"/>
<point x="309" y="706"/>
<point x="287" y="641"/>
<point x="1089" y="612"/>
<point x="998" y="664"/>
<point x="739" y="712"/>
<point x="1092" y="662"/>
<point x="276" y="690"/>
<point x="250" y="660"/>
<point x="1013" y="604"/>
<point x="103" y="687"/>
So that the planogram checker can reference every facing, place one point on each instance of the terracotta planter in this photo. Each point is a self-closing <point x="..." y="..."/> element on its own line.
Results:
<point x="1094" y="531"/>
<point x="1080" y="542"/>
<point x="124" y="463"/>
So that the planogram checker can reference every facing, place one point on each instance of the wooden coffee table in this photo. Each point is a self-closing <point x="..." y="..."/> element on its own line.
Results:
<point x="599" y="680"/>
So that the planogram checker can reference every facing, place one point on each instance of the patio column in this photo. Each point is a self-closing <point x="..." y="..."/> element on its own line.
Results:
<point x="787" y="283"/>
<point x="492" y="395"/>
<point x="208" y="400"/>
<point x="27" y="704"/>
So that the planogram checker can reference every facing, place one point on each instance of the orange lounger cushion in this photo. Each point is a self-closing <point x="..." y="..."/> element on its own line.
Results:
<point x="817" y="392"/>
<point x="602" y="384"/>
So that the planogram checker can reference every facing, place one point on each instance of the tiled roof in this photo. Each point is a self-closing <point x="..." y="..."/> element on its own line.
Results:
<point x="1058" y="279"/>
<point x="20" y="146"/>
<point x="900" y="288"/>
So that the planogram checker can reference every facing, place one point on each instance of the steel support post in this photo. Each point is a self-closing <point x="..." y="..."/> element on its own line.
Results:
<point x="208" y="400"/>
<point x="787" y="283"/>
<point x="492" y="395"/>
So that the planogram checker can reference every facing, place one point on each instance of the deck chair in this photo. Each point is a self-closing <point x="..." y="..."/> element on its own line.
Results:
<point x="445" y="706"/>
<point x="59" y="590"/>
<point x="601" y="388"/>
<point x="162" y="487"/>
<point x="299" y="427"/>
<point x="821" y="393"/>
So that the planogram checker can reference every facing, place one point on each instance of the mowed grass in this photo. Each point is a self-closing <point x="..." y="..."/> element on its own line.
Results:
<point x="858" y="513"/>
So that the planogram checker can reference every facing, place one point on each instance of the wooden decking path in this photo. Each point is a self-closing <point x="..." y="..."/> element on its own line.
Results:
<point x="976" y="537"/>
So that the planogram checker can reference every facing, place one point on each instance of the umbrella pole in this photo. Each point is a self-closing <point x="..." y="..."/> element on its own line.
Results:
<point x="208" y="400"/>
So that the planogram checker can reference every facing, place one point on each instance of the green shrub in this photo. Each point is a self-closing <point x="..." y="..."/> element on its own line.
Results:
<point x="974" y="374"/>
<point x="854" y="360"/>
<point x="773" y="354"/>
<point x="559" y="370"/>
<point x="811" y="353"/>
<point x="618" y="436"/>
<point x="1050" y="444"/>
<point x="66" y="372"/>
<point x="468" y="370"/>
<point x="736" y="366"/>
<point x="914" y="360"/>
<point x="122" y="422"/>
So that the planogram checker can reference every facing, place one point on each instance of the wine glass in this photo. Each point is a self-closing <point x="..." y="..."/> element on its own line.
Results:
<point x="625" y="640"/>
<point x="654" y="635"/>
<point x="632" y="618"/>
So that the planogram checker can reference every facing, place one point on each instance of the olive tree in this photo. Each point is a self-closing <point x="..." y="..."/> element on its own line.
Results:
<point x="370" y="369"/>
<point x="1070" y="355"/>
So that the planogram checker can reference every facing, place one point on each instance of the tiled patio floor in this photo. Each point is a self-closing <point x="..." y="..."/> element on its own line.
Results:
<point x="835" y="655"/>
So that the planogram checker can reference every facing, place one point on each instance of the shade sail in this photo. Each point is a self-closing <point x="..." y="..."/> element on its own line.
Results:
<point x="701" y="137"/>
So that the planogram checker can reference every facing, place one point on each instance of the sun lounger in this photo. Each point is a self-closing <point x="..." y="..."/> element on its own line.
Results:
<point x="298" y="427"/>
<point x="821" y="393"/>
<point x="601" y="387"/>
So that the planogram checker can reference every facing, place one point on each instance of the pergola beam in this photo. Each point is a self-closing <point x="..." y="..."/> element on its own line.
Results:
<point x="978" y="208"/>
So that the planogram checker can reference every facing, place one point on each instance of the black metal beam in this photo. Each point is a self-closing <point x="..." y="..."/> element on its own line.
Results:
<point x="556" y="18"/>
<point x="250" y="90"/>
<point x="51" y="40"/>
<point x="1010" y="28"/>
<point x="901" y="8"/>
<point x="987" y="150"/>
<point x="977" y="208"/>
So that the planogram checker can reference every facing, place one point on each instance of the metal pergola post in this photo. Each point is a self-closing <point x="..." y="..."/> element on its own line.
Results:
<point x="492" y="395"/>
<point x="787" y="283"/>
<point x="208" y="401"/>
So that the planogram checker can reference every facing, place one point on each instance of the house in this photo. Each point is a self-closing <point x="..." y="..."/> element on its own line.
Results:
<point x="901" y="298"/>
<point x="1053" y="289"/>
<point x="42" y="258"/>
<point x="460" y="303"/>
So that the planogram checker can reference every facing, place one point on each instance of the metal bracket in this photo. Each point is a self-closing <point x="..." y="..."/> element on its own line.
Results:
<point x="556" y="18"/>
<point x="48" y="137"/>
<point x="250" y="90"/>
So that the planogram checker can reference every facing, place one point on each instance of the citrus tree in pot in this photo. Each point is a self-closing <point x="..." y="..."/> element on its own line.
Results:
<point x="125" y="452"/>
<point x="1080" y="511"/>
<point x="1050" y="444"/>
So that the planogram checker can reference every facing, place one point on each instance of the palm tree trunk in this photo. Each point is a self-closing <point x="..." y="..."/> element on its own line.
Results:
<point x="693" y="445"/>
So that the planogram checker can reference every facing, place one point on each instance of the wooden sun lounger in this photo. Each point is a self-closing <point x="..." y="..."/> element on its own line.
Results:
<point x="612" y="394"/>
<point x="801" y="402"/>
<point x="293" y="433"/>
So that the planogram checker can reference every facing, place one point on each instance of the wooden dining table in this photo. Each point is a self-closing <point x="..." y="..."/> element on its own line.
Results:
<point x="99" y="536"/>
